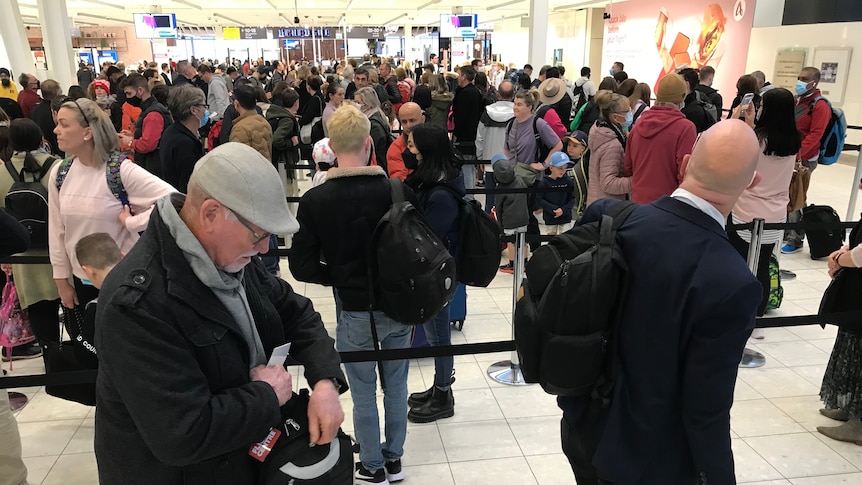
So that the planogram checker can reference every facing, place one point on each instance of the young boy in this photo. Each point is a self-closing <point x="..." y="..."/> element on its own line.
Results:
<point x="579" y="156"/>
<point x="512" y="210"/>
<point x="97" y="254"/>
<point x="557" y="206"/>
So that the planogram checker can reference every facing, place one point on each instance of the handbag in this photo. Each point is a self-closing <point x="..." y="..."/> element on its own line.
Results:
<point x="292" y="461"/>
<point x="62" y="357"/>
<point x="843" y="292"/>
<point x="14" y="323"/>
<point x="798" y="187"/>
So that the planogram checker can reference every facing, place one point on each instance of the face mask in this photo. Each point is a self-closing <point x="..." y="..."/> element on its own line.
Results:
<point x="134" y="101"/>
<point x="205" y="119"/>
<point x="410" y="160"/>
<point x="610" y="72"/>
<point x="630" y="117"/>
<point x="801" y="88"/>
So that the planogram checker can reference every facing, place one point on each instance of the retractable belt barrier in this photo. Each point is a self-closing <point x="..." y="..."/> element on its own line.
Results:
<point x="89" y="376"/>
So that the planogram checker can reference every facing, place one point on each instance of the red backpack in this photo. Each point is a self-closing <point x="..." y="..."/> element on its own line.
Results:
<point x="404" y="89"/>
<point x="212" y="136"/>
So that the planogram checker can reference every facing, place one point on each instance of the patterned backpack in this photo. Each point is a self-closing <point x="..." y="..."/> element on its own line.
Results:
<point x="112" y="173"/>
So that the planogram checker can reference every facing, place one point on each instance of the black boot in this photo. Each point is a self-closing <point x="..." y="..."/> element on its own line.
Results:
<point x="440" y="405"/>
<point x="417" y="399"/>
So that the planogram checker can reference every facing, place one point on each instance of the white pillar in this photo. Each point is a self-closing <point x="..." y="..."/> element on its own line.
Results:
<point x="538" y="33"/>
<point x="408" y="43"/>
<point x="57" y="40"/>
<point x="17" y="49"/>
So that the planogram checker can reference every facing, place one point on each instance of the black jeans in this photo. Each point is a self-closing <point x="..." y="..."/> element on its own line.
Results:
<point x="580" y="431"/>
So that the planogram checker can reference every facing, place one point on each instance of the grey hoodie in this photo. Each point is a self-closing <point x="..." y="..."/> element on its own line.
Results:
<point x="227" y="287"/>
<point x="512" y="209"/>
<point x="491" y="132"/>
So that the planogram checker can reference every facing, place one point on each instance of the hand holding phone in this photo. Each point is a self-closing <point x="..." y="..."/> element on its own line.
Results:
<point x="746" y="100"/>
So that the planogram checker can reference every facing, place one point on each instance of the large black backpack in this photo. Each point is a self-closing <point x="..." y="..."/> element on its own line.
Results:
<point x="27" y="202"/>
<point x="412" y="274"/>
<point x="823" y="242"/>
<point x="566" y="322"/>
<point x="479" y="241"/>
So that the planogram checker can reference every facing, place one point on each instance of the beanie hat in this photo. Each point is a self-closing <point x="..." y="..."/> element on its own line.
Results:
<point x="101" y="83"/>
<point x="671" y="89"/>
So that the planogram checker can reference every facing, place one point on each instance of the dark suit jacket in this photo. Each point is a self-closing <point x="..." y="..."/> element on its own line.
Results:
<point x="689" y="311"/>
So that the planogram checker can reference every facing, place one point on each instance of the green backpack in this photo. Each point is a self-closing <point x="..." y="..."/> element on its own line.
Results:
<point x="776" y="292"/>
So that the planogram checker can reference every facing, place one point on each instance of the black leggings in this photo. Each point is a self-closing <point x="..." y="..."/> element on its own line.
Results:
<point x="44" y="320"/>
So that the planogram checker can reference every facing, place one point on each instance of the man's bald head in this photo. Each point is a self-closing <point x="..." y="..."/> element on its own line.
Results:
<point x="722" y="164"/>
<point x="506" y="91"/>
<point x="410" y="115"/>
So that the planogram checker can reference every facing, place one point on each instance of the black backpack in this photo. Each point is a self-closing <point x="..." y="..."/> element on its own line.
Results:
<point x="292" y="461"/>
<point x="565" y="324"/>
<point x="479" y="240"/>
<point x="412" y="274"/>
<point x="823" y="242"/>
<point x="27" y="202"/>
<point x="581" y="97"/>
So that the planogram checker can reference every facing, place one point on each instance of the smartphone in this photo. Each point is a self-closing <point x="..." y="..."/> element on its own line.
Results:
<point x="746" y="100"/>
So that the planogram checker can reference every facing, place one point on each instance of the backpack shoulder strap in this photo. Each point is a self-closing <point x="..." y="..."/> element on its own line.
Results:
<point x="115" y="181"/>
<point x="621" y="211"/>
<point x="65" y="165"/>
<point x="397" y="189"/>
<point x="538" y="138"/>
<point x="16" y="177"/>
<point x="814" y="103"/>
<point x="509" y="126"/>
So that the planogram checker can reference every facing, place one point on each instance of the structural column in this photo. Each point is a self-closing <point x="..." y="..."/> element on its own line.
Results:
<point x="538" y="32"/>
<point x="14" y="40"/>
<point x="408" y="43"/>
<point x="57" y="40"/>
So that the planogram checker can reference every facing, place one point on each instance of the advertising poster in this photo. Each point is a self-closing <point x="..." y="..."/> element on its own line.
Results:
<point x="656" y="37"/>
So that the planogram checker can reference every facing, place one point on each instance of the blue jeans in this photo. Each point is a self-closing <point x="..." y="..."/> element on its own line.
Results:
<point x="438" y="333"/>
<point x="354" y="333"/>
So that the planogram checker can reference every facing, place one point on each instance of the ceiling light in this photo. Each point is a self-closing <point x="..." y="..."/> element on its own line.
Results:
<point x="513" y="2"/>
<point x="284" y="18"/>
<point x="124" y="21"/>
<point x="106" y="4"/>
<point x="350" y="4"/>
<point x="428" y="4"/>
<point x="271" y="4"/>
<point x="579" y="5"/>
<point x="189" y="4"/>
<point x="396" y="19"/>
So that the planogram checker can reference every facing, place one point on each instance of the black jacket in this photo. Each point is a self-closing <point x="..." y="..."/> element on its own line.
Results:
<point x="174" y="402"/>
<point x="179" y="150"/>
<point x="422" y="96"/>
<point x="85" y="77"/>
<point x="350" y="91"/>
<point x="441" y="208"/>
<point x="152" y="160"/>
<point x="563" y="108"/>
<point x="712" y="95"/>
<point x="695" y="113"/>
<point x="41" y="114"/>
<point x="467" y="109"/>
<point x="380" y="135"/>
<point x="391" y="86"/>
<point x="336" y="221"/>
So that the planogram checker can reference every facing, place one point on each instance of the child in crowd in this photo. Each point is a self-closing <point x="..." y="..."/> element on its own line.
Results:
<point x="512" y="210"/>
<point x="557" y="206"/>
<point x="579" y="159"/>
<point x="97" y="254"/>
<point x="324" y="159"/>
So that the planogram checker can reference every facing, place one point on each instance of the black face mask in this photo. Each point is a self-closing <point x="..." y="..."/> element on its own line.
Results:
<point x="6" y="82"/>
<point x="410" y="160"/>
<point x="134" y="101"/>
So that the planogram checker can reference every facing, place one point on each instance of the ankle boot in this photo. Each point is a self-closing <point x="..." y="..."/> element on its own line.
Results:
<point x="440" y="405"/>
<point x="836" y="414"/>
<point x="419" y="398"/>
<point x="850" y="431"/>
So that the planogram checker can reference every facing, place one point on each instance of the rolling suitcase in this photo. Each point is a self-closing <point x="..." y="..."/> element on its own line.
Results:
<point x="458" y="307"/>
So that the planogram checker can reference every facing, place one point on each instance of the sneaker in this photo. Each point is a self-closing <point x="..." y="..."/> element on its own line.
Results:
<point x="790" y="249"/>
<point x="23" y="352"/>
<point x="758" y="333"/>
<point x="363" y="476"/>
<point x="787" y="275"/>
<point x="393" y="471"/>
<point x="507" y="268"/>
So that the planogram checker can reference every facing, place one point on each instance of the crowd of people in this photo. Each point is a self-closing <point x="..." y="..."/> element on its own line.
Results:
<point x="176" y="167"/>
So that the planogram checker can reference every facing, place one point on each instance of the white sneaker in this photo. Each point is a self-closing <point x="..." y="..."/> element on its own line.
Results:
<point x="758" y="333"/>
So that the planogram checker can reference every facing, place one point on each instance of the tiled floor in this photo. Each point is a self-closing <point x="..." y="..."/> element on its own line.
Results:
<point x="510" y="435"/>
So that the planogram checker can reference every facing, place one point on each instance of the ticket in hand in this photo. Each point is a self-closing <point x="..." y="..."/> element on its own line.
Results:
<point x="279" y="355"/>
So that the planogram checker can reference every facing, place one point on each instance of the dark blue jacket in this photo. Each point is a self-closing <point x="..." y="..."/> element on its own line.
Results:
<point x="690" y="308"/>
<point x="550" y="201"/>
<point x="441" y="210"/>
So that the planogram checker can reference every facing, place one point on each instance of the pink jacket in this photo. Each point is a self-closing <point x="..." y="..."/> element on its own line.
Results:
<point x="607" y="173"/>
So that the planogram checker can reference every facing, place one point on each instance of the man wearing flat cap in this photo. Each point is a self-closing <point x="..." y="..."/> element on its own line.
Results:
<point x="658" y="142"/>
<point x="186" y="324"/>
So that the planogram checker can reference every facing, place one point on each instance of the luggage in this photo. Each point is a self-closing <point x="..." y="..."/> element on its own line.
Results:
<point x="458" y="307"/>
<point x="823" y="242"/>
<point x="776" y="291"/>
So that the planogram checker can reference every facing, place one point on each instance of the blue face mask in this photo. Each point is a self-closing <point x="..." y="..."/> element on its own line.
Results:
<point x="630" y="118"/>
<point x="610" y="72"/>
<point x="205" y="119"/>
<point x="801" y="88"/>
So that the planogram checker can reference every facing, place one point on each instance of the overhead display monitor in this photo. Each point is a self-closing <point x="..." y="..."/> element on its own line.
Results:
<point x="155" y="25"/>
<point x="458" y="25"/>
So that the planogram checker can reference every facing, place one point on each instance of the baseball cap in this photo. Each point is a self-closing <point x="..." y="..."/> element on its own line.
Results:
<point x="240" y="177"/>
<point x="559" y="159"/>
<point x="577" y="136"/>
<point x="496" y="158"/>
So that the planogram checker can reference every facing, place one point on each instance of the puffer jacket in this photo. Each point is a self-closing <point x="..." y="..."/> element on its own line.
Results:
<point x="607" y="172"/>
<point x="253" y="130"/>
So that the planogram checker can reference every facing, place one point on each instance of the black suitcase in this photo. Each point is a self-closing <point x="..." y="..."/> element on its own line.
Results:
<point x="823" y="242"/>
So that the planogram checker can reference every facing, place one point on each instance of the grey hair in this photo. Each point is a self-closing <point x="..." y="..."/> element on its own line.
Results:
<point x="104" y="135"/>
<point x="182" y="99"/>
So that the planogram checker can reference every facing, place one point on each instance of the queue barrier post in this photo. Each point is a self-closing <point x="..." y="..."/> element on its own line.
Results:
<point x="509" y="371"/>
<point x="752" y="358"/>
<point x="854" y="188"/>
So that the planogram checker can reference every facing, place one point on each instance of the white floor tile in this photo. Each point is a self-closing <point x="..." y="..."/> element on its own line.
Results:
<point x="551" y="469"/>
<point x="47" y="438"/>
<point x="82" y="441"/>
<point x="804" y="410"/>
<point x="482" y="440"/>
<point x="537" y="436"/>
<point x="73" y="470"/>
<point x="512" y="401"/>
<point x="475" y="405"/>
<point x="38" y="468"/>
<point x="777" y="382"/>
<point x="750" y="466"/>
<point x="493" y="472"/>
<point x="46" y="408"/>
<point x="423" y="446"/>
<point x="849" y="479"/>
<point x="795" y="353"/>
<point x="760" y="418"/>
<point x="799" y="455"/>
<point x="438" y="474"/>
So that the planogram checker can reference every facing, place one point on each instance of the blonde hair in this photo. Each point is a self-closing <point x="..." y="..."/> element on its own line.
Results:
<point x="531" y="98"/>
<point x="104" y="136"/>
<point x="608" y="104"/>
<point x="373" y="78"/>
<point x="400" y="73"/>
<point x="348" y="129"/>
<point x="302" y="73"/>
<point x="369" y="99"/>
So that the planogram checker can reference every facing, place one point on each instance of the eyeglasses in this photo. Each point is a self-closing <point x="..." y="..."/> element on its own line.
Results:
<point x="204" y="106"/>
<point x="254" y="234"/>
